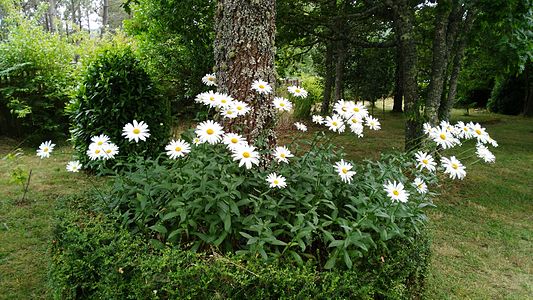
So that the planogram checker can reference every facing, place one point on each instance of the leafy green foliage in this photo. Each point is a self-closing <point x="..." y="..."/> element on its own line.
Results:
<point x="35" y="81"/>
<point x="92" y="258"/>
<point x="304" y="106"/>
<point x="206" y="201"/>
<point x="508" y="95"/>
<point x="115" y="91"/>
<point x="175" y="40"/>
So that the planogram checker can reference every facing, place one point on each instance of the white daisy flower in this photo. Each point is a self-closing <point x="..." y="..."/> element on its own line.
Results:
<point x="335" y="123"/>
<point x="463" y="130"/>
<point x="342" y="107"/>
<point x="428" y="129"/>
<point x="343" y="169"/>
<point x="178" y="148"/>
<point x="297" y="91"/>
<point x="241" y="107"/>
<point x="262" y="87"/>
<point x="300" y="126"/>
<point x="420" y="185"/>
<point x="229" y="112"/>
<point x="396" y="191"/>
<point x="212" y="98"/>
<point x="95" y="152"/>
<point x="45" y="149"/>
<point x="355" y="120"/>
<point x="479" y="132"/>
<point x="201" y="98"/>
<point x="453" y="167"/>
<point x="109" y="151"/>
<point x="233" y="140"/>
<point x="209" y="80"/>
<point x="276" y="181"/>
<point x="357" y="109"/>
<point x="209" y="131"/>
<point x="485" y="154"/>
<point x="74" y="166"/>
<point x="136" y="131"/>
<point x="282" y="104"/>
<point x="281" y="154"/>
<point x="196" y="141"/>
<point x="357" y="129"/>
<point x="318" y="119"/>
<point x="448" y="127"/>
<point x="246" y="155"/>
<point x="373" y="123"/>
<point x="444" y="138"/>
<point x="223" y="101"/>
<point x="425" y="161"/>
<point x="492" y="142"/>
<point x="100" y="140"/>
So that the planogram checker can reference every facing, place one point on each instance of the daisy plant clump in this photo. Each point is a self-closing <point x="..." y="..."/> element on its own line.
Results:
<point x="214" y="190"/>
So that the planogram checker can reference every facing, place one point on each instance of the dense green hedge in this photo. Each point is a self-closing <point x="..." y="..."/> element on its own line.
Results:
<point x="92" y="258"/>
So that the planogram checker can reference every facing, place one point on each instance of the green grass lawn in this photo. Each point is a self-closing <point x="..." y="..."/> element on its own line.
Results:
<point x="482" y="226"/>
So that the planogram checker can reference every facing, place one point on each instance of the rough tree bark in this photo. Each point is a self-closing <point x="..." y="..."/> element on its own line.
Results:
<point x="438" y="70"/>
<point x="51" y="15"/>
<point x="458" y="52"/>
<point x="398" y="85"/>
<point x="244" y="52"/>
<point x="105" y="15"/>
<point x="328" y="83"/>
<point x="339" y="71"/>
<point x="403" y="22"/>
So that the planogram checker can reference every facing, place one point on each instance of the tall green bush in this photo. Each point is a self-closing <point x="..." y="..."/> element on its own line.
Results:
<point x="508" y="95"/>
<point x="115" y="90"/>
<point x="35" y="79"/>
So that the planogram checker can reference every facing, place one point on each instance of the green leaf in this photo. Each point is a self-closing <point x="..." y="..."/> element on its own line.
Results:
<point x="159" y="228"/>
<point x="347" y="260"/>
<point x="171" y="215"/>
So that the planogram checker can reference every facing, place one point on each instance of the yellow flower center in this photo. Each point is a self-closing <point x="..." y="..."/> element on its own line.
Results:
<point x="465" y="128"/>
<point x="344" y="170"/>
<point x="334" y="123"/>
<point x="420" y="186"/>
<point x="442" y="136"/>
<point x="97" y="151"/>
<point x="210" y="131"/>
<point x="396" y="193"/>
<point x="344" y="108"/>
<point x="425" y="161"/>
<point x="297" y="91"/>
<point x="239" y="107"/>
<point x="282" y="155"/>
<point x="229" y="112"/>
<point x="356" y="109"/>
<point x="223" y="101"/>
<point x="108" y="151"/>
<point x="100" y="143"/>
<point x="212" y="98"/>
<point x="45" y="149"/>
<point x="455" y="166"/>
<point x="211" y="79"/>
<point x="276" y="181"/>
<point x="234" y="140"/>
<point x="177" y="149"/>
<point x="478" y="131"/>
<point x="282" y="104"/>
<point x="261" y="86"/>
<point x="246" y="155"/>
<point x="136" y="131"/>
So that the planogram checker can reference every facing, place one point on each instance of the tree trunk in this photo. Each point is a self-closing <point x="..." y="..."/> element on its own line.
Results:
<point x="328" y="80"/>
<point x="339" y="71"/>
<point x="403" y="22"/>
<point x="460" y="45"/>
<point x="439" y="64"/>
<point x="244" y="52"/>
<point x="51" y="15"/>
<point x="398" y="86"/>
<point x="105" y="16"/>
<point x="528" y="100"/>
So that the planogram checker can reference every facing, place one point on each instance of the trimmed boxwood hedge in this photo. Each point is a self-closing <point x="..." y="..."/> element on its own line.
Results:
<point x="93" y="259"/>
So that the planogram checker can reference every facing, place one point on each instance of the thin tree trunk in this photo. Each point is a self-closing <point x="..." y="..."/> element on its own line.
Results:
<point x="51" y="15"/>
<point x="244" y="52"/>
<point x="328" y="83"/>
<point x="105" y="16"/>
<point x="447" y="104"/>
<point x="528" y="100"/>
<point x="439" y="64"/>
<point x="339" y="72"/>
<point x="398" y="86"/>
<point x="403" y="22"/>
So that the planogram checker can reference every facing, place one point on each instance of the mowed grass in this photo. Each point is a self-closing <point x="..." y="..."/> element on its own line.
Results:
<point x="25" y="227"/>
<point x="482" y="226"/>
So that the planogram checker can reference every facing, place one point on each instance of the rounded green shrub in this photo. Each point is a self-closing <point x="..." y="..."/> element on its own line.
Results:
<point x="116" y="90"/>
